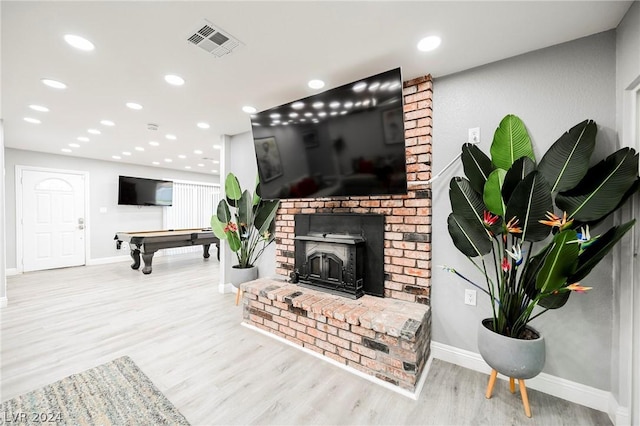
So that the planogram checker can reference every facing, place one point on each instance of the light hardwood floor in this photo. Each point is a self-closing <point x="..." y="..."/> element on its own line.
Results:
<point x="187" y="338"/>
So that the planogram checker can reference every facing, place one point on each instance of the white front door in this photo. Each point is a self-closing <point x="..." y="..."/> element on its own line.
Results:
<point x="52" y="220"/>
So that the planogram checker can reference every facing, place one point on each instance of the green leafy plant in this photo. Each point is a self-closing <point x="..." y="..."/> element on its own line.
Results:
<point x="507" y="204"/>
<point x="245" y="220"/>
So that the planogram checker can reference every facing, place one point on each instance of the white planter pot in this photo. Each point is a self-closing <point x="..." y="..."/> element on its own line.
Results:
<point x="517" y="358"/>
<point x="239" y="275"/>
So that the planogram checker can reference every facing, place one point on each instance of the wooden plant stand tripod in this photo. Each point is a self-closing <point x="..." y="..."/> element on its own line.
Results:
<point x="512" y="388"/>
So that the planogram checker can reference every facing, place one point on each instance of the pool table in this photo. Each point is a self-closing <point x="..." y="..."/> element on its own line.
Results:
<point x="146" y="243"/>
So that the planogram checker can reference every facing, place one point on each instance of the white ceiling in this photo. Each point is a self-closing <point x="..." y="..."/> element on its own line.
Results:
<point x="285" y="45"/>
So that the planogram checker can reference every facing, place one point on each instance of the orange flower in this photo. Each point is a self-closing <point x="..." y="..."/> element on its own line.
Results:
<point x="489" y="218"/>
<point x="230" y="227"/>
<point x="557" y="221"/>
<point x="578" y="288"/>
<point x="512" y="228"/>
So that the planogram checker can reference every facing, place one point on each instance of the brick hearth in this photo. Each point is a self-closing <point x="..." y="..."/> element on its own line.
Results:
<point x="385" y="338"/>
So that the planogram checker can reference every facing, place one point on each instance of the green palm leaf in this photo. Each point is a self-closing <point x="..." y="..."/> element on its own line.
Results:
<point x="516" y="174"/>
<point x="492" y="195"/>
<point x="552" y="301"/>
<point x="567" y="161"/>
<point x="598" y="249"/>
<point x="602" y="188"/>
<point x="477" y="166"/>
<point x="560" y="263"/>
<point x="245" y="209"/>
<point x="232" y="189"/>
<point x="466" y="202"/>
<point x="530" y="201"/>
<point x="234" y="241"/>
<point x="510" y="142"/>
<point x="218" y="227"/>
<point x="469" y="238"/>
<point x="265" y="214"/>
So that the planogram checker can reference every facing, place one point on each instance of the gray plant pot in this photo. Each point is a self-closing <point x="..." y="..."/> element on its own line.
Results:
<point x="517" y="358"/>
<point x="239" y="275"/>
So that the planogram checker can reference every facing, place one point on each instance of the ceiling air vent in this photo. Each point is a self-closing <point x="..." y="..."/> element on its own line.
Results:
<point x="213" y="39"/>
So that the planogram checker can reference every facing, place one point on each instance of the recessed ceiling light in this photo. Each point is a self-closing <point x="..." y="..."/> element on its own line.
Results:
<point x="79" y="42"/>
<point x="256" y="124"/>
<point x="197" y="152"/>
<point x="203" y="125"/>
<point x="170" y="136"/>
<point x="139" y="148"/>
<point x="293" y="115"/>
<point x="359" y="87"/>
<point x="126" y="153"/>
<point x="308" y="114"/>
<point x="216" y="162"/>
<point x="334" y="113"/>
<point x="168" y="160"/>
<point x="374" y="86"/>
<point x="348" y="104"/>
<point x="39" y="108"/>
<point x="334" y="104"/>
<point x="316" y="84"/>
<point x="154" y="143"/>
<point x="322" y="114"/>
<point x="429" y="43"/>
<point x="297" y="105"/>
<point x="200" y="165"/>
<point x="217" y="147"/>
<point x="74" y="145"/>
<point x="53" y="83"/>
<point x="174" y="80"/>
<point x="318" y="105"/>
<point x="32" y="120"/>
<point x="83" y="138"/>
<point x="155" y="163"/>
<point x="343" y="112"/>
<point x="249" y="109"/>
<point x="182" y="156"/>
<point x="187" y="167"/>
<point x="107" y="123"/>
<point x="134" y="105"/>
<point x="303" y="119"/>
<point x="65" y="150"/>
<point x="116" y="157"/>
<point x="274" y="115"/>
<point x="94" y="131"/>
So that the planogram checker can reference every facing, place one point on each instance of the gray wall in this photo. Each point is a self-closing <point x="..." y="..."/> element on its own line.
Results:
<point x="3" y="208"/>
<point x="627" y="77"/>
<point x="551" y="90"/>
<point x="103" y="181"/>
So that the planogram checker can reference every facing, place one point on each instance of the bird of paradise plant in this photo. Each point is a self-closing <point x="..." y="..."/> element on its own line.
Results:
<point x="251" y="227"/>
<point x="508" y="205"/>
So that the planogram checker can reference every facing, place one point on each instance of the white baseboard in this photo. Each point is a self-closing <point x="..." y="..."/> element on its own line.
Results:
<point x="619" y="415"/>
<point x="387" y="385"/>
<point x="106" y="260"/>
<point x="552" y="385"/>
<point x="3" y="302"/>
<point x="11" y="271"/>
<point x="226" y="288"/>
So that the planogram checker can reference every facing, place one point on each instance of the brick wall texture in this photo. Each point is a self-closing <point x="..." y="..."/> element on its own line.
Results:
<point x="407" y="240"/>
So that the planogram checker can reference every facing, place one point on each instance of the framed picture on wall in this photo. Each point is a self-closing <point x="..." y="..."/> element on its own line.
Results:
<point x="393" y="126"/>
<point x="269" y="163"/>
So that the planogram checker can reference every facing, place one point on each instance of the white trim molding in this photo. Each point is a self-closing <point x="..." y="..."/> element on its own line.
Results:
<point x="11" y="271"/>
<point x="107" y="260"/>
<point x="566" y="389"/>
<point x="3" y="302"/>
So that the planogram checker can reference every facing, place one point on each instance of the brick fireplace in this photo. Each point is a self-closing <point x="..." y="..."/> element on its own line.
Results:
<point x="387" y="338"/>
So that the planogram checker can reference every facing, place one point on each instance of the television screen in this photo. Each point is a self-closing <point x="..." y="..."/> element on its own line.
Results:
<point x="144" y="192"/>
<point x="344" y="141"/>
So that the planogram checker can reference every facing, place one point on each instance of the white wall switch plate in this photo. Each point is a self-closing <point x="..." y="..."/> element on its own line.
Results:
<point x="474" y="135"/>
<point x="470" y="297"/>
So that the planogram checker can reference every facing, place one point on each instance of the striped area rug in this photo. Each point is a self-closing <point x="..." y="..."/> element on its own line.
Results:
<point x="115" y="393"/>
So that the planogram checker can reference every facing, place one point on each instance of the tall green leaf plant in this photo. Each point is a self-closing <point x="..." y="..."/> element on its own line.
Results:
<point x="245" y="220"/>
<point x="528" y="226"/>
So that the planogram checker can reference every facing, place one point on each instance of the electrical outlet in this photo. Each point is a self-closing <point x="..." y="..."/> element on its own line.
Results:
<point x="470" y="297"/>
<point x="474" y="135"/>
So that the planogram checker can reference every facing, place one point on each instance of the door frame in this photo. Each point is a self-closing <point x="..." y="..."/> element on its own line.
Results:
<point x="635" y="268"/>
<point x="19" y="200"/>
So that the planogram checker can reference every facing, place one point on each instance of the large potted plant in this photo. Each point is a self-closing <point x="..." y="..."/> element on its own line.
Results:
<point x="247" y="222"/>
<point x="529" y="229"/>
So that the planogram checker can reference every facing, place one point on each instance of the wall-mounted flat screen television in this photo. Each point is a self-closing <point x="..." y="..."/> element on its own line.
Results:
<point x="137" y="191"/>
<point x="343" y="142"/>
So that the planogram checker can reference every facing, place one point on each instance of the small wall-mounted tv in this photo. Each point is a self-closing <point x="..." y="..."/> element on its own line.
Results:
<point x="342" y="142"/>
<point x="137" y="191"/>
